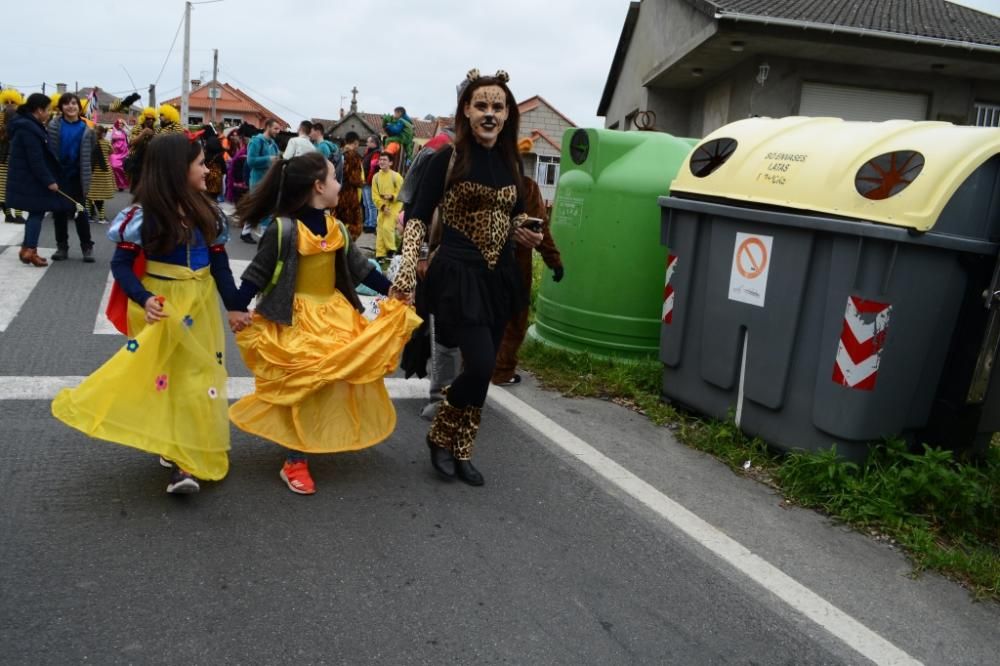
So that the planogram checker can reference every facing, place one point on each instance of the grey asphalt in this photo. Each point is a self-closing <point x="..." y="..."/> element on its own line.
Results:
<point x="546" y="564"/>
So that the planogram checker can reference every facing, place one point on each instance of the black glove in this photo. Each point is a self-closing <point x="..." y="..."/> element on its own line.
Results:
<point x="557" y="273"/>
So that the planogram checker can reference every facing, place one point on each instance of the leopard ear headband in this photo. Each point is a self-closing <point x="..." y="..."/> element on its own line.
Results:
<point x="501" y="76"/>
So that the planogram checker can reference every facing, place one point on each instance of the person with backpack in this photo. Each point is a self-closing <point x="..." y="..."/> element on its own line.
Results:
<point x="318" y="363"/>
<point x="398" y="128"/>
<point x="323" y="145"/>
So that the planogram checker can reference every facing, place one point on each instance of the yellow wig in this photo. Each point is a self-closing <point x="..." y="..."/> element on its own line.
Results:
<point x="10" y="96"/>
<point x="148" y="112"/>
<point x="55" y="101"/>
<point x="170" y="113"/>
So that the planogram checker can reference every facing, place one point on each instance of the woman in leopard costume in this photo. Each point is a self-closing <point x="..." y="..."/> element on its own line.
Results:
<point x="472" y="284"/>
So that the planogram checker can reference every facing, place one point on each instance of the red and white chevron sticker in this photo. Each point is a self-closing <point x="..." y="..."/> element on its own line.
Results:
<point x="668" y="291"/>
<point x="859" y="352"/>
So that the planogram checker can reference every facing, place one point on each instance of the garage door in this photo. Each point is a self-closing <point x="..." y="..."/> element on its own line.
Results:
<point x="850" y="103"/>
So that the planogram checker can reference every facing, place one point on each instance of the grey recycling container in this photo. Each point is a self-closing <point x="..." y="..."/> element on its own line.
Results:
<point x="833" y="282"/>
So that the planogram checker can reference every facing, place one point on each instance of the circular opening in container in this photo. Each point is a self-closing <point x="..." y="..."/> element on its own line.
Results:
<point x="710" y="156"/>
<point x="888" y="174"/>
<point x="579" y="146"/>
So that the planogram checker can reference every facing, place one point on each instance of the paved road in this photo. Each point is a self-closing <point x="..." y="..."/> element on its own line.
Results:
<point x="579" y="550"/>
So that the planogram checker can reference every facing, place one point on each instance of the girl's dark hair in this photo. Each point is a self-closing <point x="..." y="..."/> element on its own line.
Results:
<point x="506" y="142"/>
<point x="285" y="189"/>
<point x="377" y="140"/>
<point x="66" y="98"/>
<point x="97" y="155"/>
<point x="34" y="102"/>
<point x="171" y="209"/>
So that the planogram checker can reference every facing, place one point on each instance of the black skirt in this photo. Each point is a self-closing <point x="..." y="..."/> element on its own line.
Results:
<point x="461" y="289"/>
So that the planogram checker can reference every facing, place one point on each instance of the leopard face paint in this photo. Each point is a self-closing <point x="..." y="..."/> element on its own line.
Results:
<point x="487" y="112"/>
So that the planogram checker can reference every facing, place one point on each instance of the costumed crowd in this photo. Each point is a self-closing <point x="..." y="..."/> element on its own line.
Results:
<point x="453" y="252"/>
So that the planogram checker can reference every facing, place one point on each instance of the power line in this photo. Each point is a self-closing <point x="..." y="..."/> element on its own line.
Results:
<point x="262" y="95"/>
<point x="170" y="52"/>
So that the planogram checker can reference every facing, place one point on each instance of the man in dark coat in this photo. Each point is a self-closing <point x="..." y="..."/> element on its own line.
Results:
<point x="32" y="172"/>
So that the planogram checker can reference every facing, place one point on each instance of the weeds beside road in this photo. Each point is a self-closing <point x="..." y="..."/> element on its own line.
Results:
<point x="943" y="513"/>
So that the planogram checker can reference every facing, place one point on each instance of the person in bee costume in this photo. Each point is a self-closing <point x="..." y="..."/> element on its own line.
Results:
<point x="10" y="99"/>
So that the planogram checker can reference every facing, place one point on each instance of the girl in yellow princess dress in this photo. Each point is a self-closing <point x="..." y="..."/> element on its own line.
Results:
<point x="165" y="391"/>
<point x="318" y="363"/>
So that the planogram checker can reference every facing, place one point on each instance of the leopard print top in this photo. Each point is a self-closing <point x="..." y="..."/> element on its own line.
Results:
<point x="482" y="213"/>
<point x="484" y="207"/>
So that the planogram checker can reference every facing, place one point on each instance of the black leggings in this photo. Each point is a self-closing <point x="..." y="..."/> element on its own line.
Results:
<point x="61" y="223"/>
<point x="479" y="345"/>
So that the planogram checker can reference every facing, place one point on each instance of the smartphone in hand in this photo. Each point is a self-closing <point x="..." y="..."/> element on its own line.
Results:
<point x="532" y="224"/>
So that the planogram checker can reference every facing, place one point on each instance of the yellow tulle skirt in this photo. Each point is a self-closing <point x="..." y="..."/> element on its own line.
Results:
<point x="164" y="392"/>
<point x="319" y="382"/>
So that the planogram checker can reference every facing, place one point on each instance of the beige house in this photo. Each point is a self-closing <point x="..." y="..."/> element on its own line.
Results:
<point x="544" y="125"/>
<point x="700" y="64"/>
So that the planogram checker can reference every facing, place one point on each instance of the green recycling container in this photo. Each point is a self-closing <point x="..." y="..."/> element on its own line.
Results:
<point x="606" y="223"/>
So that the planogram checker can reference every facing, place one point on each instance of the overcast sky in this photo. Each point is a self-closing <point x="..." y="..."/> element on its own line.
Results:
<point x="301" y="58"/>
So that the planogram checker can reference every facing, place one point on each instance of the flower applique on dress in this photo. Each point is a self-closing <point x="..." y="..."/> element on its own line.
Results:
<point x="161" y="383"/>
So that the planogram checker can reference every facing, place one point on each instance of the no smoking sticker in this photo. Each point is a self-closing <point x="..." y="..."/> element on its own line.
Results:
<point x="751" y="263"/>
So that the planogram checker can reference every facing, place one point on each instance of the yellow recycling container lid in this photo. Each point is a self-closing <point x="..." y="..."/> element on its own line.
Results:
<point x="897" y="172"/>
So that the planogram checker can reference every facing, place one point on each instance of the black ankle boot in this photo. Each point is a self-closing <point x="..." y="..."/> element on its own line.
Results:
<point x="88" y="254"/>
<point x="466" y="472"/>
<point x="442" y="460"/>
<point x="62" y="253"/>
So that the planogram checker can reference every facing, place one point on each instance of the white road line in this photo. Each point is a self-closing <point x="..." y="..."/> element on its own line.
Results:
<point x="18" y="280"/>
<point x="46" y="388"/>
<point x="852" y="632"/>
<point x="104" y="327"/>
<point x="838" y="623"/>
<point x="11" y="234"/>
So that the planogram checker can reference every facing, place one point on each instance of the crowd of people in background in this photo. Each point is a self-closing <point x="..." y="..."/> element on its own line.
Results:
<point x="96" y="161"/>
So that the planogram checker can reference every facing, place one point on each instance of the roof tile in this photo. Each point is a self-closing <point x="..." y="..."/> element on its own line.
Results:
<point x="937" y="19"/>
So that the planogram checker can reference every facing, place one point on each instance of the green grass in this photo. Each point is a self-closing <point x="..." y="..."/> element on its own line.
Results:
<point x="944" y="513"/>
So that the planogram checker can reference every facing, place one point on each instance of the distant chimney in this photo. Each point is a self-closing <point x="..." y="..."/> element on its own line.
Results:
<point x="195" y="83"/>
<point x="341" y="113"/>
<point x="60" y="88"/>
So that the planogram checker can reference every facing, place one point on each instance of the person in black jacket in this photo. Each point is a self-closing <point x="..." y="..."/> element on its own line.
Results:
<point x="32" y="169"/>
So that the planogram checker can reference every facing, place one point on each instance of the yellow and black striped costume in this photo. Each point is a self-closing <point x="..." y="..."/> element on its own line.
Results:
<point x="3" y="157"/>
<point x="102" y="182"/>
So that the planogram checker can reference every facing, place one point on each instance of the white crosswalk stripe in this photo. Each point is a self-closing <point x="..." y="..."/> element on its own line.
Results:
<point x="46" y="388"/>
<point x="18" y="281"/>
<point x="11" y="234"/>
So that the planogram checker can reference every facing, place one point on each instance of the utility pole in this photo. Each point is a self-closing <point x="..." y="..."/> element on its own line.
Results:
<point x="186" y="81"/>
<point x="152" y="95"/>
<point x="214" y="90"/>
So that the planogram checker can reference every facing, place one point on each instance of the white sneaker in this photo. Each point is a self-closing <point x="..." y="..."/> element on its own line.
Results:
<point x="182" y="483"/>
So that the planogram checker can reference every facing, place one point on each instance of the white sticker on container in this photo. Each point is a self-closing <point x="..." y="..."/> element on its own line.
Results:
<point x="751" y="265"/>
